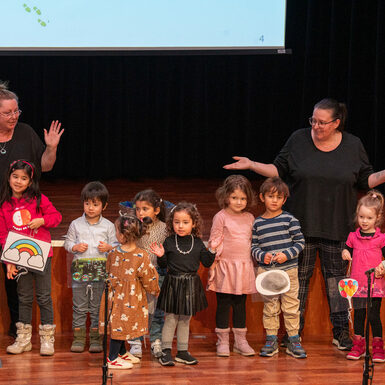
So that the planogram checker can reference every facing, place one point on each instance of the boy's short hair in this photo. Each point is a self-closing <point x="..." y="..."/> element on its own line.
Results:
<point x="274" y="184"/>
<point x="95" y="190"/>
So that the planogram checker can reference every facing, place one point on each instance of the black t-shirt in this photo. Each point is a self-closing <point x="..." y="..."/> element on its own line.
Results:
<point x="323" y="185"/>
<point x="25" y="144"/>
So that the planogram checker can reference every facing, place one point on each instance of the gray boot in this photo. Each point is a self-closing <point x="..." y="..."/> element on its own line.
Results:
<point x="23" y="339"/>
<point x="79" y="341"/>
<point x="95" y="341"/>
<point x="47" y="339"/>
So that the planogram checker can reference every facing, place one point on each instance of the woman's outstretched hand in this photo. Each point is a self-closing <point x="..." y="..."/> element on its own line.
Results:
<point x="242" y="163"/>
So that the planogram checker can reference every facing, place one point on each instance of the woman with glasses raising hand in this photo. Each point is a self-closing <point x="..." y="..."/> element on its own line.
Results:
<point x="324" y="167"/>
<point x="20" y="141"/>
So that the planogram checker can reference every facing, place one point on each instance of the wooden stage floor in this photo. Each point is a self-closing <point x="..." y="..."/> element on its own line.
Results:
<point x="325" y="365"/>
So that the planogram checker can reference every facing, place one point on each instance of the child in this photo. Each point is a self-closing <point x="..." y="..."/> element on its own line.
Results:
<point x="277" y="241"/>
<point x="89" y="238"/>
<point x="26" y="210"/>
<point x="365" y="248"/>
<point x="148" y="203"/>
<point x="131" y="275"/>
<point x="182" y="294"/>
<point x="232" y="276"/>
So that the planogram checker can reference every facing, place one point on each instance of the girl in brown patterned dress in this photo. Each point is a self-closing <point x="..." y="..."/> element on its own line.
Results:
<point x="131" y="275"/>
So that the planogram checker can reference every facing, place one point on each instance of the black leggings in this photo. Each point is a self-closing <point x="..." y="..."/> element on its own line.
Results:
<point x="116" y="347"/>
<point x="374" y="317"/>
<point x="224" y="303"/>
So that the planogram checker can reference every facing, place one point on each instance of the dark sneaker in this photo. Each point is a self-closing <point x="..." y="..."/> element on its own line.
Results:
<point x="285" y="341"/>
<point x="270" y="348"/>
<point x="343" y="341"/>
<point x="294" y="347"/>
<point x="166" y="359"/>
<point x="185" y="357"/>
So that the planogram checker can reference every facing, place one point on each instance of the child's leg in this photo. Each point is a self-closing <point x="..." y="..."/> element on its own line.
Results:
<point x="43" y="294"/>
<point x="95" y="296"/>
<point x="183" y="332"/>
<point x="224" y="302"/>
<point x="239" y="310"/>
<point x="25" y="293"/>
<point x="359" y="321"/>
<point x="116" y="347"/>
<point x="80" y="305"/>
<point x="290" y="304"/>
<point x="374" y="317"/>
<point x="156" y="320"/>
<point x="358" y="348"/>
<point x="170" y="323"/>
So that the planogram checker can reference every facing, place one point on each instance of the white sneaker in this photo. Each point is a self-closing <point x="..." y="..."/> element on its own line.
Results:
<point x="118" y="363"/>
<point x="156" y="348"/>
<point x="136" y="349"/>
<point x="130" y="358"/>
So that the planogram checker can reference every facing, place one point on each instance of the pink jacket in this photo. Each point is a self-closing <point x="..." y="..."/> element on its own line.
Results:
<point x="14" y="216"/>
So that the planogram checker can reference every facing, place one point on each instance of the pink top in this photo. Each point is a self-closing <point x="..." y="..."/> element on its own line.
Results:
<point x="233" y="269"/>
<point x="367" y="254"/>
<point x="14" y="216"/>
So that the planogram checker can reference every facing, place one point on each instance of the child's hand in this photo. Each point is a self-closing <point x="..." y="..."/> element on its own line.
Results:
<point x="268" y="258"/>
<point x="80" y="247"/>
<point x="157" y="249"/>
<point x="380" y="271"/>
<point x="214" y="243"/>
<point x="36" y="223"/>
<point x="346" y="255"/>
<point x="280" y="257"/>
<point x="103" y="247"/>
<point x="11" y="270"/>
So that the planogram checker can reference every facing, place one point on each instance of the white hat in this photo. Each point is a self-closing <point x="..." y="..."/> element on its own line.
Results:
<point x="272" y="282"/>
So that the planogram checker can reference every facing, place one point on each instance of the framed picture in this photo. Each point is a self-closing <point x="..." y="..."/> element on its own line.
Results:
<point x="25" y="251"/>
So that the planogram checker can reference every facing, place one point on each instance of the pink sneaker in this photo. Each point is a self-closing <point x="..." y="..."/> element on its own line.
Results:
<point x="358" y="349"/>
<point x="378" y="350"/>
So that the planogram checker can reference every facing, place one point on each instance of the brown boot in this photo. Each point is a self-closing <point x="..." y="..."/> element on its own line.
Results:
<point x="241" y="345"/>
<point x="95" y="341"/>
<point x="79" y="341"/>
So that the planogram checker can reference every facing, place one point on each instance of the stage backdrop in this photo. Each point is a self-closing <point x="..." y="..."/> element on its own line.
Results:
<point x="154" y="116"/>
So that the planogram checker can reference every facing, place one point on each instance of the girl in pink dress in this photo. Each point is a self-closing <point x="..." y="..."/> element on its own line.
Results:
<point x="232" y="274"/>
<point x="365" y="248"/>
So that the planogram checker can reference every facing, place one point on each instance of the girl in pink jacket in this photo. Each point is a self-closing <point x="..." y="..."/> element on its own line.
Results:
<point x="23" y="209"/>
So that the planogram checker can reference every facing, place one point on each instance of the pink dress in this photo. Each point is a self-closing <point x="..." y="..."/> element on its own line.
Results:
<point x="233" y="269"/>
<point x="366" y="255"/>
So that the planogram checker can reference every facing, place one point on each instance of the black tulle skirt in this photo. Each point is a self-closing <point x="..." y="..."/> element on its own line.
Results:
<point x="182" y="294"/>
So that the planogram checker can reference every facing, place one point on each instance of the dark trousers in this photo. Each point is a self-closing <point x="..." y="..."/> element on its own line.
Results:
<point x="374" y="317"/>
<point x="224" y="303"/>
<point x="332" y="265"/>
<point x="12" y="298"/>
<point x="116" y="347"/>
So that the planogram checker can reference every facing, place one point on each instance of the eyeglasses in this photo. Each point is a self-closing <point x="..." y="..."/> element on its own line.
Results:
<point x="313" y="122"/>
<point x="10" y="114"/>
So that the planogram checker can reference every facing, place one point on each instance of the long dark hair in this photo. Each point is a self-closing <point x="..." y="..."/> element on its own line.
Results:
<point x="31" y="192"/>
<point x="153" y="198"/>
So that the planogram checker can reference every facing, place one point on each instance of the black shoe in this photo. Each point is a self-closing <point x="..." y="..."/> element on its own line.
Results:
<point x="186" y="358"/>
<point x="166" y="359"/>
<point x="343" y="340"/>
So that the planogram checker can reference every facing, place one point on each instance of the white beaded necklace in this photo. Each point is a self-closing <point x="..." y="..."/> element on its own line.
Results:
<point x="184" y="252"/>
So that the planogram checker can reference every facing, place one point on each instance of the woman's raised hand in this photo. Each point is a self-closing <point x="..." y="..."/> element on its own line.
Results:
<point x="242" y="163"/>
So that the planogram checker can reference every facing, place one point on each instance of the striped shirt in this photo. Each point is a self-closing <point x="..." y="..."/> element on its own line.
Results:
<point x="279" y="234"/>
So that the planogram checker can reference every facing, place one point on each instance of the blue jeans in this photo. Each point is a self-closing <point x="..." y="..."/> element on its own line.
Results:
<point x="43" y="295"/>
<point x="86" y="297"/>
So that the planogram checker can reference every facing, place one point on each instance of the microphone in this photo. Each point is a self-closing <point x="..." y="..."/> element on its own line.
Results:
<point x="370" y="271"/>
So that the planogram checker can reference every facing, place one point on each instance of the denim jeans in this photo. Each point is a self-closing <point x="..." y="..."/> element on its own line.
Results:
<point x="86" y="297"/>
<point x="43" y="295"/>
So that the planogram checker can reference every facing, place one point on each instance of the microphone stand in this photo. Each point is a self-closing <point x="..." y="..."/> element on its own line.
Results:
<point x="106" y="376"/>
<point x="368" y="364"/>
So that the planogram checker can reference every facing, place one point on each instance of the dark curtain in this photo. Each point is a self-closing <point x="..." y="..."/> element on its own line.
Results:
<point x="184" y="116"/>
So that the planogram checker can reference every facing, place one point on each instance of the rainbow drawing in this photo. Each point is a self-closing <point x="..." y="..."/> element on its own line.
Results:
<point x="28" y="246"/>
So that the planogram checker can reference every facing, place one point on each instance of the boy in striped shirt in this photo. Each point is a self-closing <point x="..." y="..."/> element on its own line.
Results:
<point x="276" y="242"/>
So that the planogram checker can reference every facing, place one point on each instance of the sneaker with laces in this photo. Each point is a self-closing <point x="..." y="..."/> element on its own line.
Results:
<point x="185" y="357"/>
<point x="270" y="348"/>
<point x="118" y="363"/>
<point x="136" y="349"/>
<point x="166" y="359"/>
<point x="343" y="340"/>
<point x="294" y="347"/>
<point x="129" y="357"/>
<point x="156" y="348"/>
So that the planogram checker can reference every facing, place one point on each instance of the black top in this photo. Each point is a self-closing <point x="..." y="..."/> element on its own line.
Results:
<point x="177" y="262"/>
<point x="25" y="144"/>
<point x="323" y="185"/>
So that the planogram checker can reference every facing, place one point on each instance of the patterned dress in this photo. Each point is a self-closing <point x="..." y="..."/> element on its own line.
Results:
<point x="131" y="275"/>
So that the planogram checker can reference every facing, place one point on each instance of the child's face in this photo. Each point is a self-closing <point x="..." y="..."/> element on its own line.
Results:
<point x="237" y="201"/>
<point x="182" y="223"/>
<point x="19" y="181"/>
<point x="367" y="219"/>
<point x="93" y="208"/>
<point x="273" y="201"/>
<point x="145" y="209"/>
